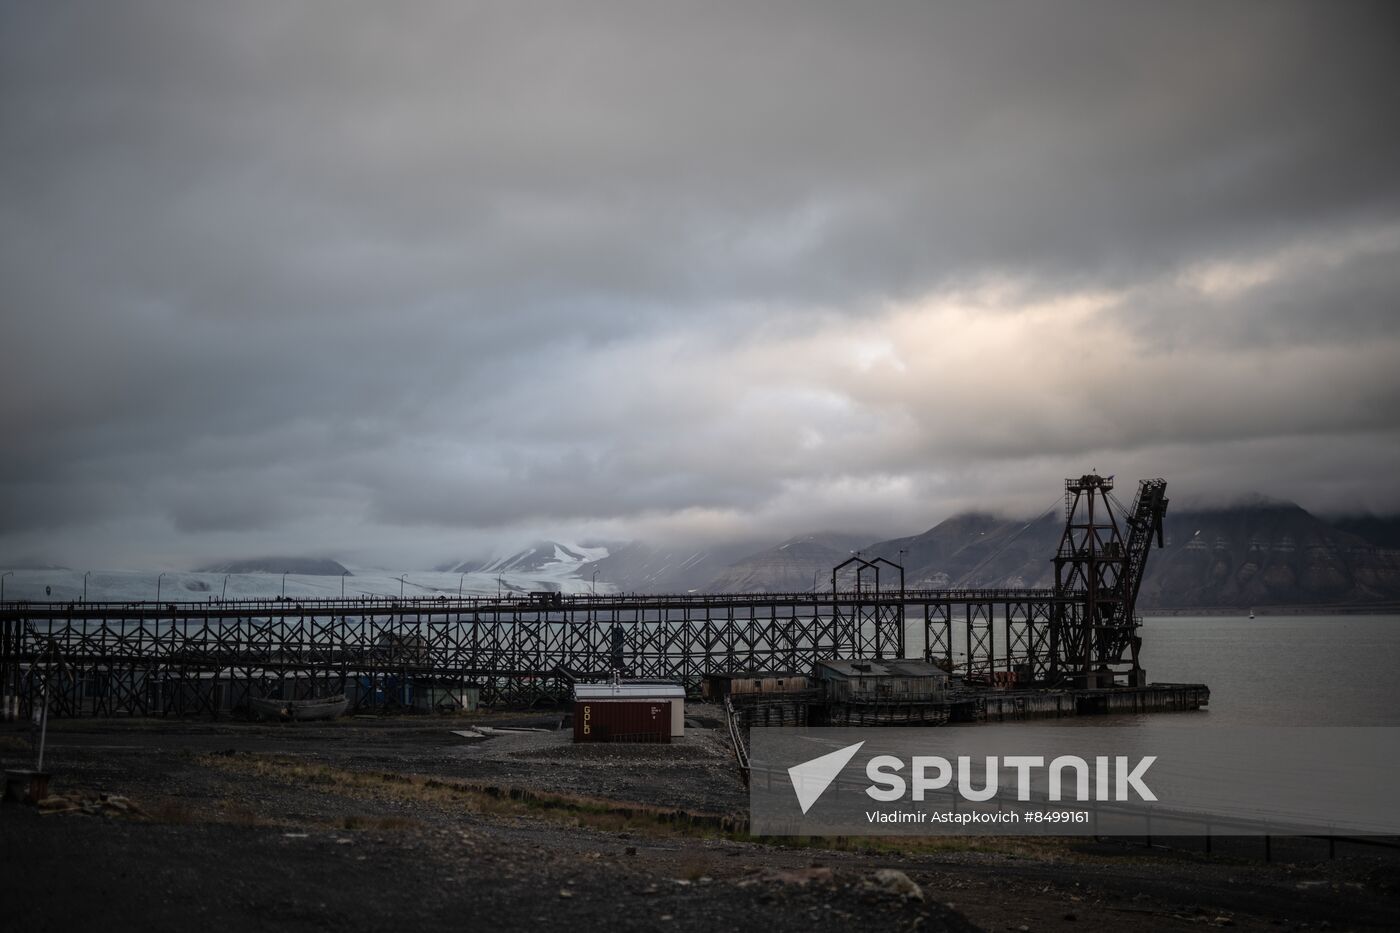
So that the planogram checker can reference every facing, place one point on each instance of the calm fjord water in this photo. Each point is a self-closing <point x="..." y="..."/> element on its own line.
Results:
<point x="1281" y="670"/>
<point x="1321" y="670"/>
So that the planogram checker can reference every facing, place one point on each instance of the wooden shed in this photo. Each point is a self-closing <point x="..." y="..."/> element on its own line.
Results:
<point x="715" y="687"/>
<point x="859" y="680"/>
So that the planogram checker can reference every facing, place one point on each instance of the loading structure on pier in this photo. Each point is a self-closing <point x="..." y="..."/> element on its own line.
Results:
<point x="1098" y="572"/>
<point x="206" y="658"/>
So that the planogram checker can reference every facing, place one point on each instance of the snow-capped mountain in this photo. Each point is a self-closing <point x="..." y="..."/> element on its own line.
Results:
<point x="548" y="557"/>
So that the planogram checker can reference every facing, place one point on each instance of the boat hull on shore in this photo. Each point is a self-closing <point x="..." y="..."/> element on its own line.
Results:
<point x="299" y="710"/>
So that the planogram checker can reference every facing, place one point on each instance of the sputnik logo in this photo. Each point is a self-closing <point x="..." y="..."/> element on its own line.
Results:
<point x="810" y="779"/>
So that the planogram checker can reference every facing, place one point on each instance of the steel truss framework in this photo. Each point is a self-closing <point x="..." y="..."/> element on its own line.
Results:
<point x="184" y="658"/>
<point x="175" y="659"/>
<point x="1023" y="616"/>
<point x="1100" y="562"/>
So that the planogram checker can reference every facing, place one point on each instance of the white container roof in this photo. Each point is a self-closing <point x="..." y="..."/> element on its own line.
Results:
<point x="629" y="691"/>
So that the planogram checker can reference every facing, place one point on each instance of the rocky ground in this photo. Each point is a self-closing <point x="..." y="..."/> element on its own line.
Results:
<point x="369" y="824"/>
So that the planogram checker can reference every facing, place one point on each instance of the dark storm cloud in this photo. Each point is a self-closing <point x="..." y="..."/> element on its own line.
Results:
<point x="414" y="277"/>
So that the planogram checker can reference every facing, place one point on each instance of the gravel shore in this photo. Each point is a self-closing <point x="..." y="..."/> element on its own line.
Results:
<point x="378" y="824"/>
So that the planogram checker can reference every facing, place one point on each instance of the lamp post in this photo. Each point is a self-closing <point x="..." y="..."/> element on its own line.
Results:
<point x="2" y="584"/>
<point x="499" y="585"/>
<point x="460" y="578"/>
<point x="401" y="578"/>
<point x="158" y="576"/>
<point x="224" y="592"/>
<point x="85" y="576"/>
<point x="342" y="583"/>
<point x="814" y="581"/>
<point x="284" y="584"/>
<point x="595" y="582"/>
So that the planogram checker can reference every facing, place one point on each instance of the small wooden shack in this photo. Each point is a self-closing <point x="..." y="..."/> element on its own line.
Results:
<point x="715" y="687"/>
<point x="867" y="681"/>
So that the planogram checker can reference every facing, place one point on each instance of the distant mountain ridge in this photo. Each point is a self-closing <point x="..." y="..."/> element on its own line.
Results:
<point x="305" y="566"/>
<point x="1379" y="530"/>
<point x="1261" y="554"/>
<point x="1276" y="554"/>
<point x="795" y="566"/>
<point x="976" y="549"/>
<point x="1257" y="552"/>
<point x="646" y="568"/>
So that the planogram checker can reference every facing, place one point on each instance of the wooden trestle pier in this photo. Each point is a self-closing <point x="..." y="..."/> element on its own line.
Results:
<point x="174" y="658"/>
<point x="187" y="658"/>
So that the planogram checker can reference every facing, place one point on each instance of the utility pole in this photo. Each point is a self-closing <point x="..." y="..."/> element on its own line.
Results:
<point x="158" y="576"/>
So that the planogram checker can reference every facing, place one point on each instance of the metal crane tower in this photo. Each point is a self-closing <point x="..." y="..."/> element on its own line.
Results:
<point x="1098" y="571"/>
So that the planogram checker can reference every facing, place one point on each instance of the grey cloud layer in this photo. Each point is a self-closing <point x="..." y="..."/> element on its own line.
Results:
<point x="395" y="279"/>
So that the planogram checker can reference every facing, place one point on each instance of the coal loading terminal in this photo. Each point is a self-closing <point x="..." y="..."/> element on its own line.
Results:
<point x="564" y="739"/>
<point x="1068" y="650"/>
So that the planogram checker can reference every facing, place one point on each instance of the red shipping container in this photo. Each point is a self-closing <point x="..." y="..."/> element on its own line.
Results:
<point x="622" y="721"/>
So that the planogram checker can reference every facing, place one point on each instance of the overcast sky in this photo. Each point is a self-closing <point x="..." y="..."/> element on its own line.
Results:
<point x="404" y="283"/>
